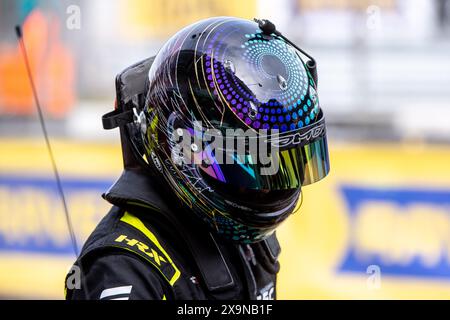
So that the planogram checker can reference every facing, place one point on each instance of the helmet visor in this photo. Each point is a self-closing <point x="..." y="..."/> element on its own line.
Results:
<point x="295" y="159"/>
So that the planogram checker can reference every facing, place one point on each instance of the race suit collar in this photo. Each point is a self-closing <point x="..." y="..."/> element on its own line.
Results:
<point x="135" y="187"/>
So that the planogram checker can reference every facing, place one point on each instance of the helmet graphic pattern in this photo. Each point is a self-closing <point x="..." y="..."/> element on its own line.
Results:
<point x="226" y="73"/>
<point x="293" y="108"/>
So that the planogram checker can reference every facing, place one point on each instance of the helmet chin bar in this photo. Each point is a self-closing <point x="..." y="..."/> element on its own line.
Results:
<point x="268" y="28"/>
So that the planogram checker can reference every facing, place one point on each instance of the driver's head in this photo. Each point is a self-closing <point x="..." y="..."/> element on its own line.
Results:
<point x="234" y="125"/>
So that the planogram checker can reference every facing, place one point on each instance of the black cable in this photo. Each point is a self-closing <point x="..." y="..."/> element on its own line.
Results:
<point x="49" y="149"/>
<point x="268" y="28"/>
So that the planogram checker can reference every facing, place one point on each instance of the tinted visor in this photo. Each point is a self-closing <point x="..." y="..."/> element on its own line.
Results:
<point x="300" y="158"/>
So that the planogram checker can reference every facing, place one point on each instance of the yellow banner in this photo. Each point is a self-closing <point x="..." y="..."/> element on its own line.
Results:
<point x="377" y="227"/>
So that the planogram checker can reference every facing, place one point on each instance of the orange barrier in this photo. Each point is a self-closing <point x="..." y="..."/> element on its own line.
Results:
<point x="52" y="66"/>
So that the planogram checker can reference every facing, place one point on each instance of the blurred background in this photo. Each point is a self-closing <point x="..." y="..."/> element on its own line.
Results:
<point x="377" y="227"/>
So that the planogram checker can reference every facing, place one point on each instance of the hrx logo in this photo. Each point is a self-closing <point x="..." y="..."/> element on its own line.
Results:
<point x="142" y="247"/>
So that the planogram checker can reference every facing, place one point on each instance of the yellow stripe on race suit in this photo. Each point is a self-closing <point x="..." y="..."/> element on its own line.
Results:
<point x="137" y="223"/>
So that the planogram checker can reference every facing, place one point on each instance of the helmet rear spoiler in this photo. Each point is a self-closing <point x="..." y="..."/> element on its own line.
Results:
<point x="131" y="89"/>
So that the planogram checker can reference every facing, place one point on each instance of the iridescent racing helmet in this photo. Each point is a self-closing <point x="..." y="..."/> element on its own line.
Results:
<point x="225" y="75"/>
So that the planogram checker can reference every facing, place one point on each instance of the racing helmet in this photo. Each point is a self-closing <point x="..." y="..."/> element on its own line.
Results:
<point x="223" y="75"/>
